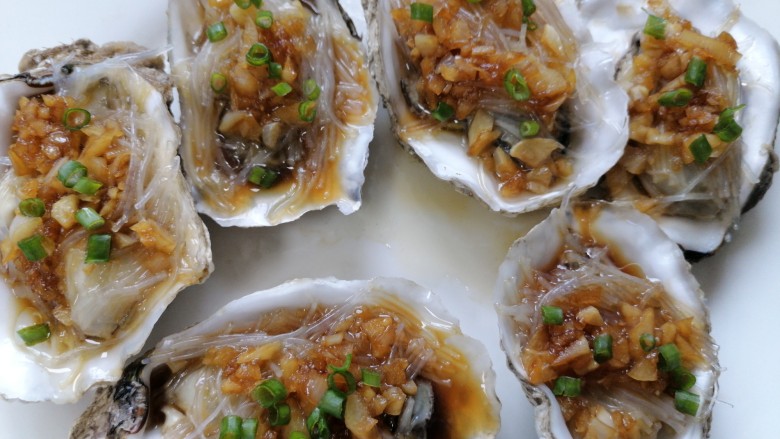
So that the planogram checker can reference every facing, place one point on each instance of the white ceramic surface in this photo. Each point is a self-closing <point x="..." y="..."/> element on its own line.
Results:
<point x="415" y="226"/>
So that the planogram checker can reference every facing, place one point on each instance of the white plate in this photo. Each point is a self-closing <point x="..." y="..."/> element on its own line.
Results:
<point x="414" y="226"/>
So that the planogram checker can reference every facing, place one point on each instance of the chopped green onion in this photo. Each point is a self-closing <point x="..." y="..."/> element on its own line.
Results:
<point x="682" y="379"/>
<point x="344" y="367"/>
<point x="443" y="112"/>
<point x="75" y="119"/>
<point x="263" y="177"/>
<point x="515" y="85"/>
<point x="602" y="348"/>
<point x="701" y="149"/>
<point x="567" y="386"/>
<point x="297" y="435"/>
<point x="332" y="403"/>
<point x="669" y="357"/>
<point x="529" y="7"/>
<point x="348" y="377"/>
<point x="249" y="428"/>
<point x="89" y="219"/>
<point x="274" y="70"/>
<point x="258" y="54"/>
<point x="307" y="110"/>
<point x="216" y="32"/>
<point x="371" y="378"/>
<point x="552" y="315"/>
<point x="218" y="82"/>
<point x="317" y="425"/>
<point x="422" y="12"/>
<point x="264" y="19"/>
<point x="87" y="186"/>
<point x="230" y="427"/>
<point x="32" y="335"/>
<point x="279" y="415"/>
<point x="676" y="98"/>
<point x="98" y="248"/>
<point x="647" y="342"/>
<point x="529" y="128"/>
<point x="727" y="129"/>
<point x="655" y="27"/>
<point x="696" y="72"/>
<point x="310" y="89"/>
<point x="269" y="392"/>
<point x="32" y="248"/>
<point x="243" y="4"/>
<point x="257" y="3"/>
<point x="686" y="402"/>
<point x="71" y="172"/>
<point x="32" y="207"/>
<point x="282" y="89"/>
<point x="531" y="24"/>
<point x="474" y="1"/>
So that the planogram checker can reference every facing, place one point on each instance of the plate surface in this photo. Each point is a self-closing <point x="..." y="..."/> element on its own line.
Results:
<point x="414" y="226"/>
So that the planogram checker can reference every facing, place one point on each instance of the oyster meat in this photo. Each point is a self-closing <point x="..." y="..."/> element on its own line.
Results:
<point x="606" y="328"/>
<point x="98" y="232"/>
<point x="323" y="358"/>
<point x="277" y="107"/>
<point x="509" y="101"/>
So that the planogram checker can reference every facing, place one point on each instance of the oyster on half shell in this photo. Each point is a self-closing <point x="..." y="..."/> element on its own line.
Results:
<point x="509" y="101"/>
<point x="277" y="105"/>
<point x="363" y="359"/>
<point x="98" y="232"/>
<point x="606" y="328"/>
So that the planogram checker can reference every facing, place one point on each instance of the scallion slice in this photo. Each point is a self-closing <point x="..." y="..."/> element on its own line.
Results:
<point x="75" y="119"/>
<point x="297" y="435"/>
<point x="371" y="378"/>
<point x="310" y="89"/>
<point x="647" y="342"/>
<point x="230" y="427"/>
<point x="264" y="19"/>
<point x="32" y="248"/>
<point x="249" y="428"/>
<point x="257" y="3"/>
<point x="443" y="112"/>
<point x="682" y="379"/>
<point x="98" y="249"/>
<point x="32" y="335"/>
<point x="269" y="392"/>
<point x="33" y="207"/>
<point x="727" y="129"/>
<point x="258" y="54"/>
<point x="696" y="72"/>
<point x="676" y="98"/>
<point x="655" y="27"/>
<point x="317" y="425"/>
<point x="552" y="315"/>
<point x="243" y="4"/>
<point x="282" y="89"/>
<point x="529" y="7"/>
<point x="274" y="70"/>
<point x="71" y="172"/>
<point x="344" y="367"/>
<point x="686" y="402"/>
<point x="279" y="415"/>
<point x="669" y="357"/>
<point x="332" y="403"/>
<point x="529" y="128"/>
<point x="515" y="85"/>
<point x="89" y="218"/>
<point x="474" y="1"/>
<point x="422" y="12"/>
<point x="602" y="348"/>
<point x="218" y="82"/>
<point x="700" y="149"/>
<point x="307" y="110"/>
<point x="87" y="186"/>
<point x="216" y="32"/>
<point x="567" y="386"/>
<point x="348" y="378"/>
<point x="262" y="177"/>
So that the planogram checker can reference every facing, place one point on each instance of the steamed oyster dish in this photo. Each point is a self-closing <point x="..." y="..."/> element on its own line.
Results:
<point x="606" y="329"/>
<point x="277" y="107"/>
<point x="497" y="97"/>
<point x="309" y="359"/>
<point x="687" y="162"/>
<point x="97" y="229"/>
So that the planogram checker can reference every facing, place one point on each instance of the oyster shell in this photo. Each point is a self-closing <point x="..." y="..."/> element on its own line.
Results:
<point x="606" y="270"/>
<point x="575" y="112"/>
<point x="252" y="155"/>
<point x="737" y="183"/>
<point x="98" y="314"/>
<point x="292" y="332"/>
